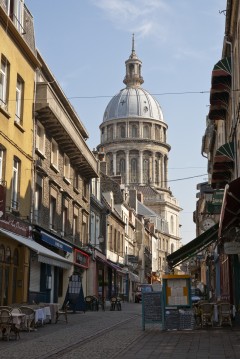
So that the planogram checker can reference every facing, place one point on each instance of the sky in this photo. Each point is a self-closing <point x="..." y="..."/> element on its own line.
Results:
<point x="86" y="43"/>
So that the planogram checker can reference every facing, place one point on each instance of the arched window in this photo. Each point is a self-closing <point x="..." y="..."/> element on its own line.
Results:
<point x="172" y="225"/>
<point x="133" y="172"/>
<point x="2" y="254"/>
<point x="8" y="255"/>
<point x="15" y="257"/>
<point x="172" y="248"/>
<point x="146" y="172"/>
<point x="122" y="132"/>
<point x="122" y="167"/>
<point x="110" y="133"/>
<point x="134" y="131"/>
<point x="146" y="131"/>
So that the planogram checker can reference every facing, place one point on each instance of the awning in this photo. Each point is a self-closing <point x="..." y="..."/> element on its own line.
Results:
<point x="134" y="277"/>
<point x="116" y="267"/>
<point x="55" y="242"/>
<point x="192" y="248"/>
<point x="225" y="153"/>
<point x="44" y="254"/>
<point x="230" y="212"/>
<point x="222" y="67"/>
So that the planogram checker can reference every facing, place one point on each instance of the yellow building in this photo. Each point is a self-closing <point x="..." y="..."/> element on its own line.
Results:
<point x="17" y="88"/>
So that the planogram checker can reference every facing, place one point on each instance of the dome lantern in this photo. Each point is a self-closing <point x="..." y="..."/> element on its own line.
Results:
<point x="133" y="76"/>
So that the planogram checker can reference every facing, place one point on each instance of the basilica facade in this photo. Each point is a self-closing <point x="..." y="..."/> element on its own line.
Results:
<point x="134" y="141"/>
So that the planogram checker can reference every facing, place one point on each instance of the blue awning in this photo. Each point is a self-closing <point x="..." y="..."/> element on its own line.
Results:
<point x="53" y="241"/>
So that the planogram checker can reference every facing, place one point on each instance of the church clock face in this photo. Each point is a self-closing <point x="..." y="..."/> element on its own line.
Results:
<point x="207" y="223"/>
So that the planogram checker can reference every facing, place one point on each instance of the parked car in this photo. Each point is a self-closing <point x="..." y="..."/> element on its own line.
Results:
<point x="196" y="295"/>
<point x="140" y="289"/>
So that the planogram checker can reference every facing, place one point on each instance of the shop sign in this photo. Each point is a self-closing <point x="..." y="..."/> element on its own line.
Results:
<point x="81" y="259"/>
<point x="10" y="223"/>
<point x="232" y="248"/>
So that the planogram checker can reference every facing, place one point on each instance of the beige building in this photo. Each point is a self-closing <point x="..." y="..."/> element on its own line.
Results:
<point x="17" y="87"/>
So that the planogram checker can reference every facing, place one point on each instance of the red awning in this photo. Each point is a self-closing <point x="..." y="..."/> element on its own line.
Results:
<point x="230" y="213"/>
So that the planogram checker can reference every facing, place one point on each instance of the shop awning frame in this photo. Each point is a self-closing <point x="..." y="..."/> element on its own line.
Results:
<point x="230" y="213"/>
<point x="193" y="247"/>
<point x="45" y="255"/>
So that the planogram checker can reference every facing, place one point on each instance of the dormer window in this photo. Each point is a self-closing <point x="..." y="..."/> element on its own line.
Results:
<point x="15" y="10"/>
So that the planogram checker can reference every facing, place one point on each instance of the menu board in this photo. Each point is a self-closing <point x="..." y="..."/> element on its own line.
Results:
<point x="177" y="290"/>
<point x="152" y="308"/>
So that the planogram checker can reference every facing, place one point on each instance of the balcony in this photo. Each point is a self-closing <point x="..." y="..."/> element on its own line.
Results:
<point x="66" y="128"/>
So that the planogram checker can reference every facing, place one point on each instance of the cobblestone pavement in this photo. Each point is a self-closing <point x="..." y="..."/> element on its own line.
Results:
<point x="118" y="335"/>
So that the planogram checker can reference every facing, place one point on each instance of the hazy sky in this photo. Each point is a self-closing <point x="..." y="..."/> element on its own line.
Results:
<point x="86" y="42"/>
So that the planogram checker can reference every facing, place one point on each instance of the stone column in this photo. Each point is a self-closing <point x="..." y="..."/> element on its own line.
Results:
<point x="114" y="163"/>
<point x="153" y="169"/>
<point x="162" y="172"/>
<point x="140" y="130"/>
<point x="127" y="167"/>
<point x="166" y="171"/>
<point x="140" y="174"/>
<point x="115" y="130"/>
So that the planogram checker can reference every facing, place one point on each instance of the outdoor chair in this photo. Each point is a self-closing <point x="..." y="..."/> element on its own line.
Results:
<point x="63" y="312"/>
<point x="29" y="322"/>
<point x="5" y="323"/>
<point x="225" y="313"/>
<point x="89" y="302"/>
<point x="206" y="310"/>
<point x="115" y="303"/>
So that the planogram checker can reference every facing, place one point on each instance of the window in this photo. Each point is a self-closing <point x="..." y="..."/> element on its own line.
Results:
<point x="134" y="131"/>
<point x="38" y="198"/>
<point x="19" y="100"/>
<point x="133" y="172"/>
<point x="146" y="171"/>
<point x="15" y="10"/>
<point x="40" y="138"/>
<point x="54" y="154"/>
<point x="4" y="80"/>
<point x="75" y="180"/>
<point x="65" y="216"/>
<point x="52" y="208"/>
<point x="2" y="163"/>
<point x="146" y="132"/>
<point x="122" y="132"/>
<point x="18" y="14"/>
<point x="15" y="183"/>
<point x="66" y="170"/>
<point x="84" y="229"/>
<point x="75" y="223"/>
<point x="85" y="188"/>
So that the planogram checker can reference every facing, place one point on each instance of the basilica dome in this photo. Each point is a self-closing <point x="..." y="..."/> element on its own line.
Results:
<point x="133" y="102"/>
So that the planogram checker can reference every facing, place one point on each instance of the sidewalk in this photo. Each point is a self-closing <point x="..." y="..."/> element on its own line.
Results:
<point x="126" y="340"/>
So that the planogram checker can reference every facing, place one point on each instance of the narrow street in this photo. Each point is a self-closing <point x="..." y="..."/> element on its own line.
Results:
<point x="118" y="334"/>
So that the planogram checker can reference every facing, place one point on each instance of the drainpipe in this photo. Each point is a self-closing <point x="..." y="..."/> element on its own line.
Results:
<point x="233" y="134"/>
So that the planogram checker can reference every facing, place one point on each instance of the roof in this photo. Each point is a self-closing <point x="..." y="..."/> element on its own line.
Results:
<point x="133" y="102"/>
